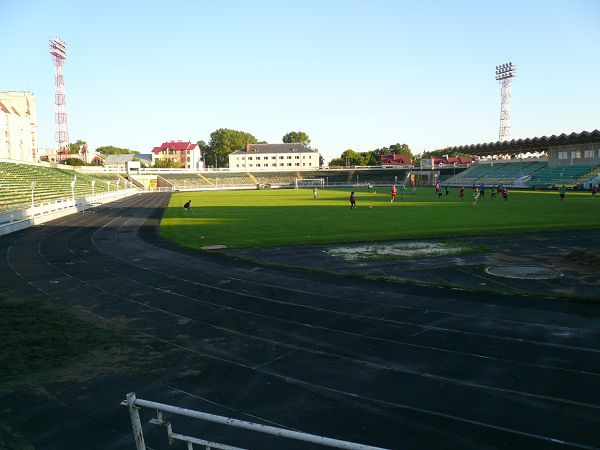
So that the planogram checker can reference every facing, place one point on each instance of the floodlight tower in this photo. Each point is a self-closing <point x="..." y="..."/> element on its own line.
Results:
<point x="504" y="74"/>
<point x="58" y="50"/>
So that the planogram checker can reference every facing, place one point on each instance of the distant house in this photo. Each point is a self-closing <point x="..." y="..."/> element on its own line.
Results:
<point x="185" y="154"/>
<point x="458" y="160"/>
<point x="145" y="158"/>
<point x="395" y="160"/>
<point x="118" y="162"/>
<point x="272" y="157"/>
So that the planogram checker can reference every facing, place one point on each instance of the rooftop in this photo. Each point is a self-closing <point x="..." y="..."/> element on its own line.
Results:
<point x="274" y="148"/>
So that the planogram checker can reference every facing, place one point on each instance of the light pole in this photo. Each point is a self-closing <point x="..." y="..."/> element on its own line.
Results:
<point x="108" y="186"/>
<point x="73" y="190"/>
<point x="32" y="202"/>
<point x="93" y="185"/>
<point x="504" y="74"/>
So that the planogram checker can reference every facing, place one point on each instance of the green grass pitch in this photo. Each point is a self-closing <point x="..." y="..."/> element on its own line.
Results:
<point x="286" y="217"/>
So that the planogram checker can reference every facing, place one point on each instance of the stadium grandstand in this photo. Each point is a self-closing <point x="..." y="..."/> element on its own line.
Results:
<point x="50" y="184"/>
<point x="571" y="160"/>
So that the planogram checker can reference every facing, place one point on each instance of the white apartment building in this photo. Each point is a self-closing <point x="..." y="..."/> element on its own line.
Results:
<point x="18" y="125"/>
<point x="273" y="157"/>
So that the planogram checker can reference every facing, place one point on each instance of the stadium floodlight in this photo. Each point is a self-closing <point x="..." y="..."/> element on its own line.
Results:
<point x="504" y="74"/>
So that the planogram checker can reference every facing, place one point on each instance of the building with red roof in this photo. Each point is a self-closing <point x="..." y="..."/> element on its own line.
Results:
<point x="183" y="153"/>
<point x="395" y="160"/>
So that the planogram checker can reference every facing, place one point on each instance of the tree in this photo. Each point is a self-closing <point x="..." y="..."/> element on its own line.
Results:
<point x="74" y="162"/>
<point x="224" y="141"/>
<point x="76" y="146"/>
<point x="166" y="164"/>
<point x="296" y="137"/>
<point x="352" y="158"/>
<point x="111" y="150"/>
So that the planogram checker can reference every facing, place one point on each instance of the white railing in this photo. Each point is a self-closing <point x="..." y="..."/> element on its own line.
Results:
<point x="16" y="220"/>
<point x="135" y="404"/>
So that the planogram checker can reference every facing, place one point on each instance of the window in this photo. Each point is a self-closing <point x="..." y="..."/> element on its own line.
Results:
<point x="265" y="157"/>
<point x="289" y="157"/>
<point x="575" y="155"/>
<point x="249" y="158"/>
<point x="188" y="159"/>
<point x="273" y="157"/>
<point x="297" y="164"/>
<point x="303" y="164"/>
<point x="281" y="157"/>
<point x="588" y="153"/>
<point x="281" y="164"/>
<point x="249" y="165"/>
<point x="274" y="165"/>
<point x="297" y="156"/>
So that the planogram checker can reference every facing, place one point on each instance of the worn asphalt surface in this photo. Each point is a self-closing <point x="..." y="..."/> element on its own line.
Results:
<point x="390" y="365"/>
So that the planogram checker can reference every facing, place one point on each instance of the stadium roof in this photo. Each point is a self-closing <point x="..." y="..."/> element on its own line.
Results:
<point x="529" y="144"/>
<point x="274" y="148"/>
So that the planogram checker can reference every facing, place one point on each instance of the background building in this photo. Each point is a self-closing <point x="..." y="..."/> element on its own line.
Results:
<point x="18" y="124"/>
<point x="271" y="157"/>
<point x="185" y="154"/>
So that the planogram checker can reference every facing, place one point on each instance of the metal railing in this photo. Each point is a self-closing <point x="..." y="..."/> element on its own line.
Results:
<point x="135" y="404"/>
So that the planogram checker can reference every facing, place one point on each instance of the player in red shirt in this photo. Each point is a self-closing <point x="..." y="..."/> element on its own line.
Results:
<point x="394" y="192"/>
<point x="461" y="194"/>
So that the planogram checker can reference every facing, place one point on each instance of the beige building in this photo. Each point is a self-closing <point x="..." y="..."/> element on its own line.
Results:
<point x="18" y="126"/>
<point x="184" y="154"/>
<point x="273" y="157"/>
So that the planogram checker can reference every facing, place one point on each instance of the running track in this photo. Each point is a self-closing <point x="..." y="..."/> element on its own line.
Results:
<point x="386" y="365"/>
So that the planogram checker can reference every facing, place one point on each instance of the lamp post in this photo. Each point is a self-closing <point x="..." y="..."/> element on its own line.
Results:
<point x="73" y="190"/>
<point x="504" y="74"/>
<point x="32" y="202"/>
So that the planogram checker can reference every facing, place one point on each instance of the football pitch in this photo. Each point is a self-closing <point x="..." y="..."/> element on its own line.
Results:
<point x="265" y="218"/>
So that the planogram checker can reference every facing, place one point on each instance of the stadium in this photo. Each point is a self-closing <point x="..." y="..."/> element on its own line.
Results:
<point x="246" y="292"/>
<point x="292" y="319"/>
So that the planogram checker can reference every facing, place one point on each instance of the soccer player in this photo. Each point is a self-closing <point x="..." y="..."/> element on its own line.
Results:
<point x="315" y="193"/>
<point x="352" y="200"/>
<point x="187" y="205"/>
<point x="493" y="192"/>
<point x="562" y="192"/>
<point x="482" y="190"/>
<point x="505" y="194"/>
<point x="461" y="194"/>
<point x="475" y="197"/>
<point x="447" y="190"/>
<point x="594" y="190"/>
<point x="402" y="191"/>
<point x="394" y="191"/>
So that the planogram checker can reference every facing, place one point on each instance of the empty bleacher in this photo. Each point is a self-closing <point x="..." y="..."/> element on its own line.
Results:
<point x="559" y="175"/>
<point x="497" y="173"/>
<point x="50" y="184"/>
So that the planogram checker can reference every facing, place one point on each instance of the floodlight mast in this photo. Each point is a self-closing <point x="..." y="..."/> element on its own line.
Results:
<point x="58" y="50"/>
<point x="504" y="74"/>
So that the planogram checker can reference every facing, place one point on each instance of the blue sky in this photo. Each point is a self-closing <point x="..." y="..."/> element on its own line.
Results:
<point x="352" y="74"/>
